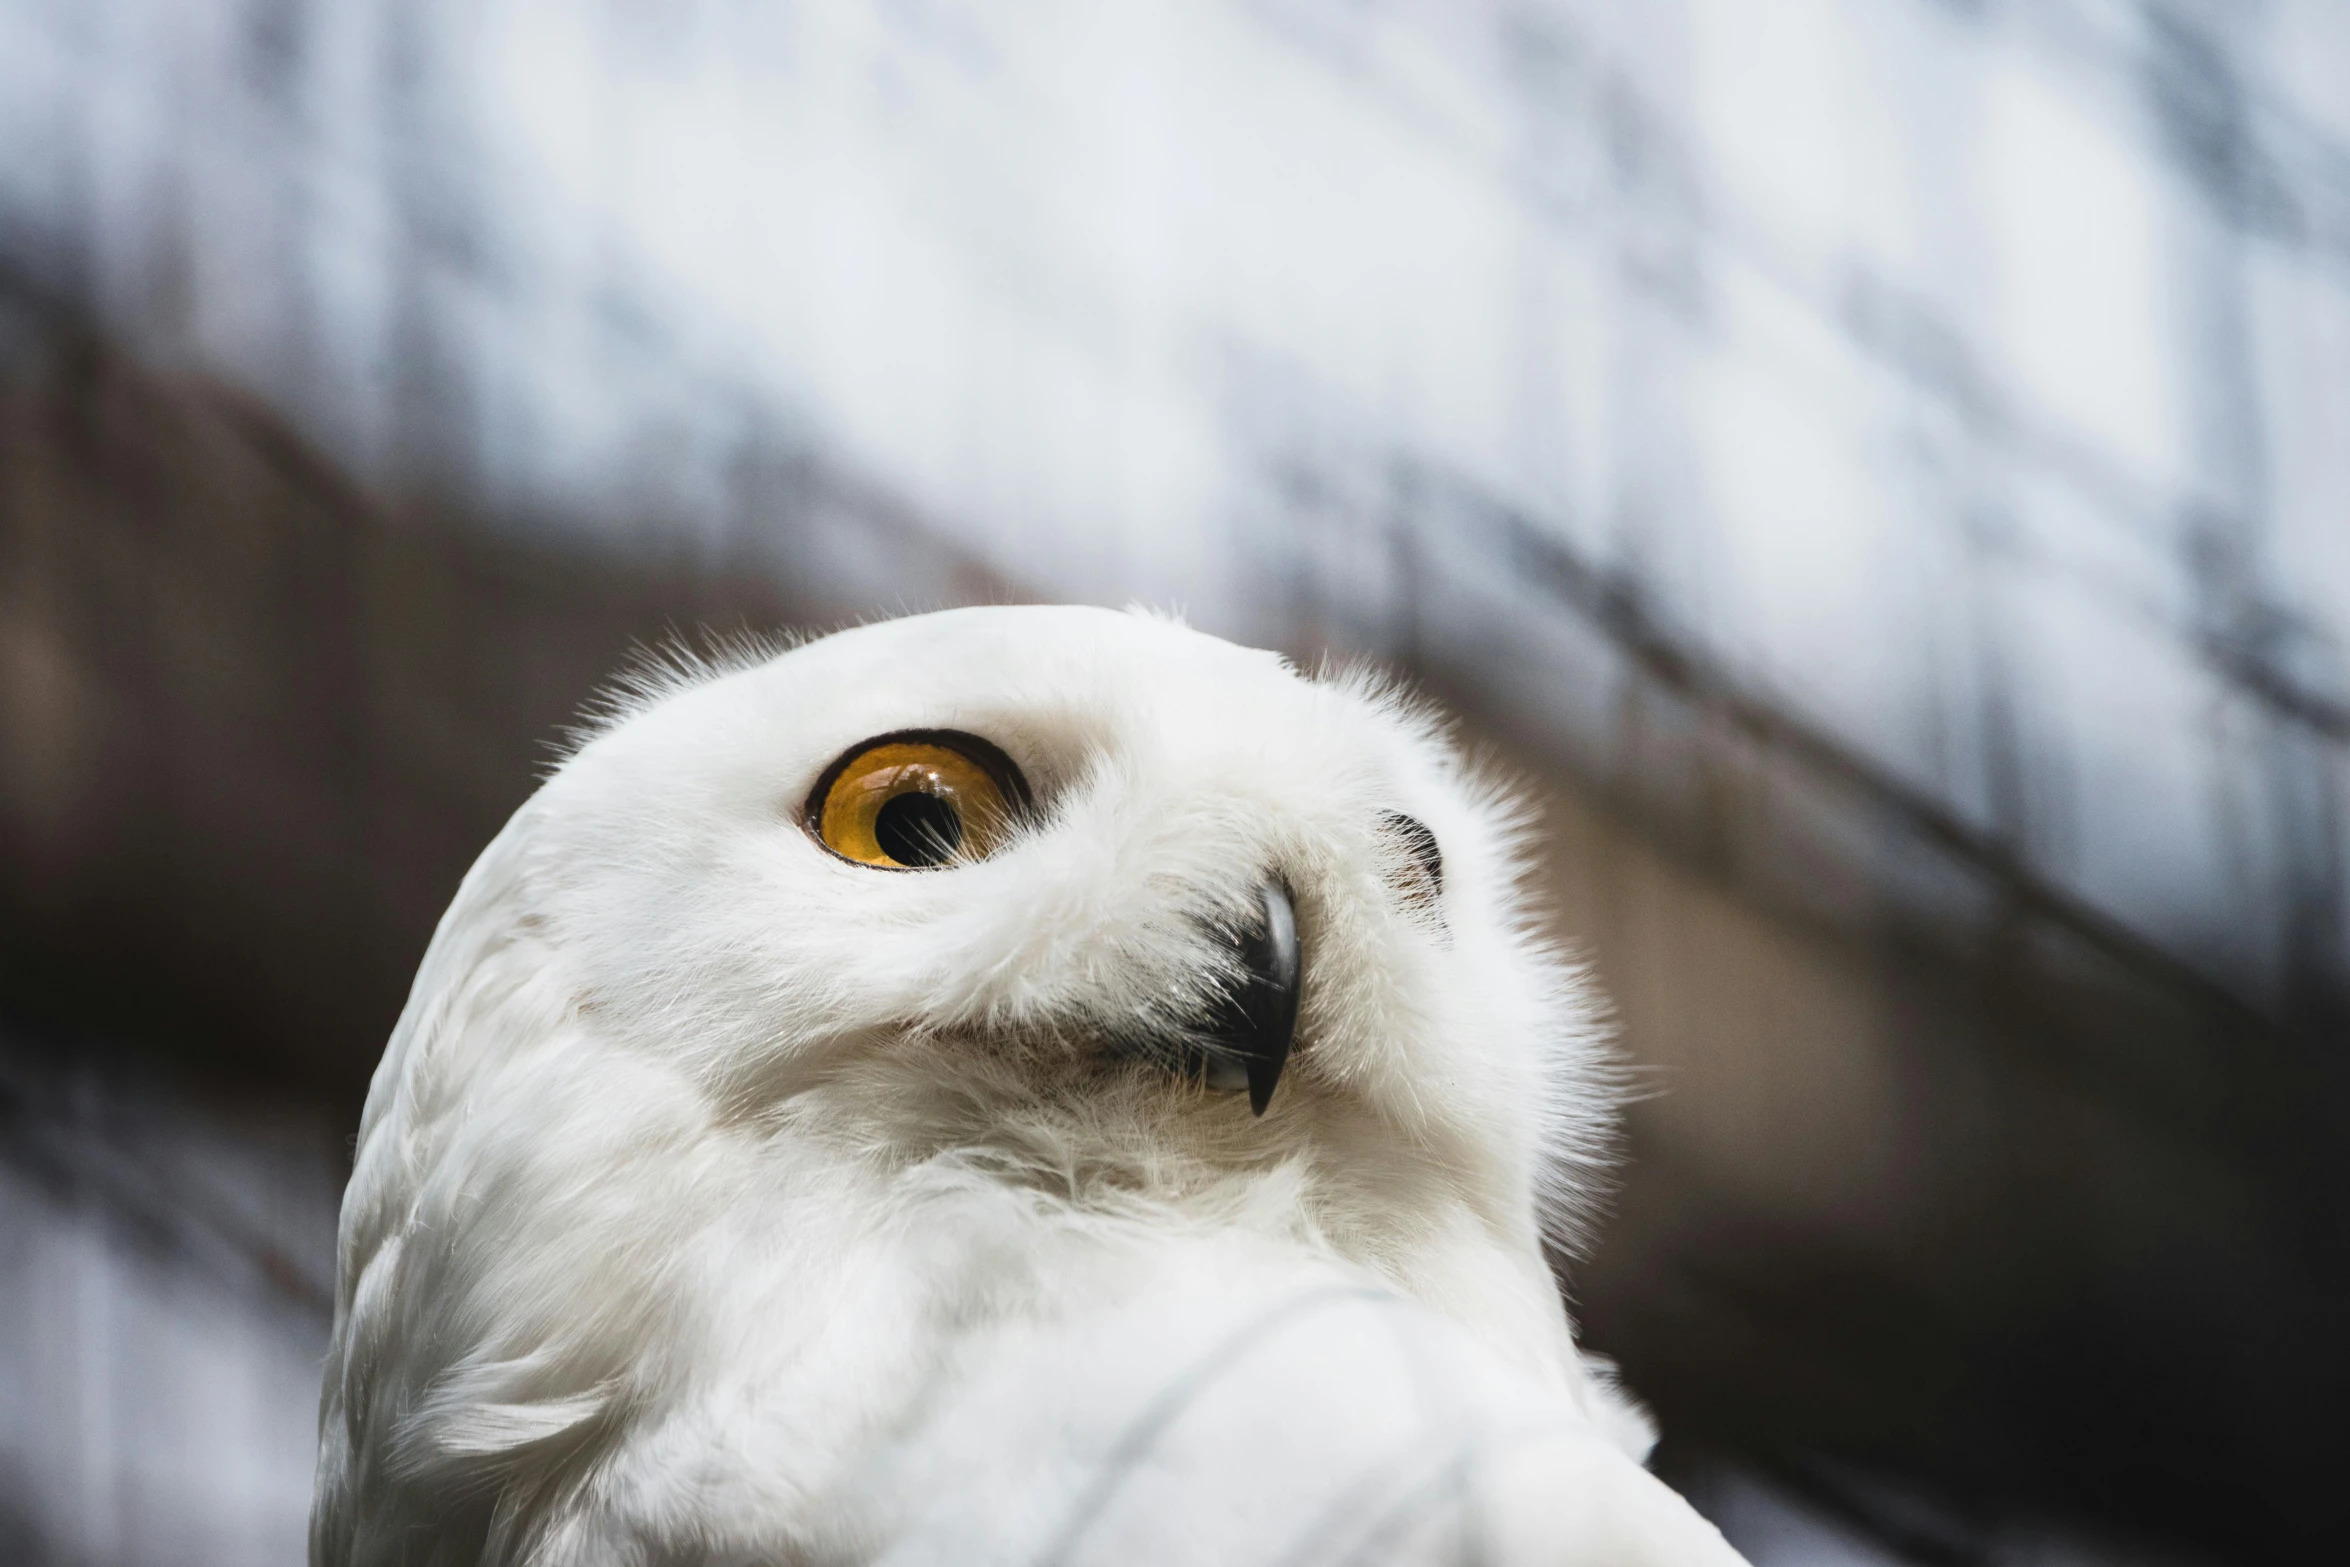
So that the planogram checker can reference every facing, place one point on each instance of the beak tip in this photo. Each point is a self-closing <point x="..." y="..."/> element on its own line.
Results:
<point x="1244" y="1039"/>
<point x="1274" y="965"/>
<point x="1263" y="1075"/>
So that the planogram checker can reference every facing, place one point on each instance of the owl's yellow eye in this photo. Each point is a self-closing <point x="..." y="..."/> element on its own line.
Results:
<point x="917" y="800"/>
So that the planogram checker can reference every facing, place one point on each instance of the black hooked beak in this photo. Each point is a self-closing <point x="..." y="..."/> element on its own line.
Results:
<point x="1248" y="1033"/>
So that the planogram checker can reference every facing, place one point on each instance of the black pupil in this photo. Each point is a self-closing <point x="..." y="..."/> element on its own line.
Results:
<point x="918" y="829"/>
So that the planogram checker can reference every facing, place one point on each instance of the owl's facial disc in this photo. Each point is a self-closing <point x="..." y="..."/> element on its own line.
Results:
<point x="931" y="799"/>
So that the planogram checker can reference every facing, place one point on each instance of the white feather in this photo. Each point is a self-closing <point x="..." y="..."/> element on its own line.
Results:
<point x="718" y="1200"/>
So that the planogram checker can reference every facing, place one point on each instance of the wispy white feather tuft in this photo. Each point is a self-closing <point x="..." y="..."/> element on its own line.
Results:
<point x="656" y="671"/>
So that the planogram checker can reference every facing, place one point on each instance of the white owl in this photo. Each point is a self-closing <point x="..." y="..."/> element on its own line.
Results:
<point x="1034" y="1086"/>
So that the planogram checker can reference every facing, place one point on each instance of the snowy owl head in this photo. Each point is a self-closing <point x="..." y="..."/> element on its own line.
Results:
<point x="997" y="877"/>
<point x="1002" y="934"/>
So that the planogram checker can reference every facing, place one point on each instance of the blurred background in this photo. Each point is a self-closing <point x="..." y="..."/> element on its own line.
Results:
<point x="1880" y="469"/>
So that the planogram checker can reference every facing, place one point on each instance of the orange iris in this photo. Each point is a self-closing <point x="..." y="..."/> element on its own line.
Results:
<point x="917" y="802"/>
